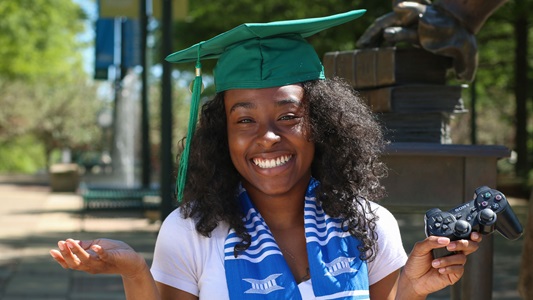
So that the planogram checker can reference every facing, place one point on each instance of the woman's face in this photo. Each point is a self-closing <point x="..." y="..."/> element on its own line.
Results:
<point x="267" y="139"/>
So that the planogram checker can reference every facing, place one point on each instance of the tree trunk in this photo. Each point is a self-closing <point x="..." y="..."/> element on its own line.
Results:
<point x="525" y="283"/>
<point x="520" y="89"/>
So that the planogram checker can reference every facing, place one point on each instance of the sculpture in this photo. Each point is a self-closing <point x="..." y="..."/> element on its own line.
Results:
<point x="444" y="27"/>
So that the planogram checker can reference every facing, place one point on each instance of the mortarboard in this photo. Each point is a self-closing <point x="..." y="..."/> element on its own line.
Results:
<point x="256" y="55"/>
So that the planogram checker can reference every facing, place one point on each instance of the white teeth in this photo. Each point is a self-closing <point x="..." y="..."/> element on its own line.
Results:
<point x="272" y="163"/>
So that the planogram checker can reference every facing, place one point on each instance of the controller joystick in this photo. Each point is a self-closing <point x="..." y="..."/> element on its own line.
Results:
<point x="462" y="229"/>
<point x="487" y="217"/>
<point x="489" y="211"/>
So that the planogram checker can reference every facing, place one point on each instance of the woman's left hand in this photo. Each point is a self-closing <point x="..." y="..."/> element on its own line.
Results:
<point x="100" y="256"/>
<point x="423" y="275"/>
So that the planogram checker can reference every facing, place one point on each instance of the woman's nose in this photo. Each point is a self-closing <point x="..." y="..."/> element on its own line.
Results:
<point x="269" y="137"/>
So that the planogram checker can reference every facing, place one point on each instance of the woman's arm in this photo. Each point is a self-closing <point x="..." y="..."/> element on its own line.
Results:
<point x="385" y="288"/>
<point x="170" y="293"/>
<point x="142" y="287"/>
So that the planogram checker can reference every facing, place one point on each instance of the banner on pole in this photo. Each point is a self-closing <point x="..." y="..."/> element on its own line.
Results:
<point x="105" y="45"/>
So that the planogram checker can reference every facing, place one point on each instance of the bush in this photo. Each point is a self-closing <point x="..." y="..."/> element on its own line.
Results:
<point x="22" y="155"/>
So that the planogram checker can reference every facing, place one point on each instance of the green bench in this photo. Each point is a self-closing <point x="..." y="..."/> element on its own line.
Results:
<point x="119" y="198"/>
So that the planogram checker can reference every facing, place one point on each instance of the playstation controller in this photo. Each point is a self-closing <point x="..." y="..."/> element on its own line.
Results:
<point x="489" y="211"/>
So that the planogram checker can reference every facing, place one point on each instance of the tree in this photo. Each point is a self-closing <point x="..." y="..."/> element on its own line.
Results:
<point x="503" y="80"/>
<point x="521" y="85"/>
<point x="44" y="91"/>
<point x="67" y="116"/>
<point x="39" y="38"/>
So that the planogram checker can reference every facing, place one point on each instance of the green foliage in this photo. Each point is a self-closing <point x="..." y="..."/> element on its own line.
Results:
<point x="15" y="115"/>
<point x="58" y="115"/>
<point x="495" y="73"/>
<point x="44" y="94"/>
<point x="180" y="114"/>
<point x="23" y="155"/>
<point x="38" y="38"/>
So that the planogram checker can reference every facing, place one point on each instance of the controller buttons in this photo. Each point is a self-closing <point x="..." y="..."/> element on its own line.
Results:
<point x="458" y="216"/>
<point x="484" y="203"/>
<point x="469" y="218"/>
<point x="498" y="197"/>
<point x="448" y="220"/>
<point x="445" y="227"/>
<point x="438" y="218"/>
<point x="437" y="225"/>
<point x="495" y="206"/>
<point x="487" y="195"/>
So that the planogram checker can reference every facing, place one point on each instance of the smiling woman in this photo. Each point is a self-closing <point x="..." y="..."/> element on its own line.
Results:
<point x="281" y="174"/>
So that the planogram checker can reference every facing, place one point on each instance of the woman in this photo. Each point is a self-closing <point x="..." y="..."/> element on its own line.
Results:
<point x="280" y="180"/>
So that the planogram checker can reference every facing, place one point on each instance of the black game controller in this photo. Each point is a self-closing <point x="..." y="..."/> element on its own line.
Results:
<point x="488" y="211"/>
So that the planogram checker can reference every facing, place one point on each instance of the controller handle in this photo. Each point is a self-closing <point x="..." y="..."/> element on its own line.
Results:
<point x="508" y="224"/>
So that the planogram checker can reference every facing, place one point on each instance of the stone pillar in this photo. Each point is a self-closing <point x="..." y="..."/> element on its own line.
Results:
<point x="408" y="91"/>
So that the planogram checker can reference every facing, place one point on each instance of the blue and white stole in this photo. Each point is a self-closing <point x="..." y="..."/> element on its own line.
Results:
<point x="261" y="272"/>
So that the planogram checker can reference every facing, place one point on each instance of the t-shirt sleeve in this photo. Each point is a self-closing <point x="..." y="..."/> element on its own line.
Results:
<point x="390" y="255"/>
<point x="175" y="261"/>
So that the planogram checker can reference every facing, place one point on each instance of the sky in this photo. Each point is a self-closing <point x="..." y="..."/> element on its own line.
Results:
<point x="90" y="7"/>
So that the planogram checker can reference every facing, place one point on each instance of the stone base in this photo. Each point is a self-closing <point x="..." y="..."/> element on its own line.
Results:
<point x="64" y="177"/>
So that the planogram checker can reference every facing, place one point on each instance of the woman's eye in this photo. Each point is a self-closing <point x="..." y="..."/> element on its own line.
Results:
<point x="288" y="117"/>
<point x="245" y="120"/>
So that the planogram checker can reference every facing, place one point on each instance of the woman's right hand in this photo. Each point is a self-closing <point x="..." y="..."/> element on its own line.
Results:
<point x="100" y="256"/>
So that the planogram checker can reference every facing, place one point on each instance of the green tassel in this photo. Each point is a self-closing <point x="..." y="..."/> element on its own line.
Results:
<point x="193" y="118"/>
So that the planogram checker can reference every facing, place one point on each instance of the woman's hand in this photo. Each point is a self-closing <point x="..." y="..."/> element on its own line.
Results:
<point x="100" y="256"/>
<point x="423" y="275"/>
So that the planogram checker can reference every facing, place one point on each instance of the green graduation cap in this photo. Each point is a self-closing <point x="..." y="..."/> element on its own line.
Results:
<point x="256" y="55"/>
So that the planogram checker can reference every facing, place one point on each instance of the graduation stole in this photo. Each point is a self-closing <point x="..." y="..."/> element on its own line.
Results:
<point x="261" y="272"/>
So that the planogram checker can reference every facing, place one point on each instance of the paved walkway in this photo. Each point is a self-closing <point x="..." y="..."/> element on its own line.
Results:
<point x="32" y="220"/>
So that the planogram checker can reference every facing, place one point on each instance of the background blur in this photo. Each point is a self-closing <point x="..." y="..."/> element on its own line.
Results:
<point x="60" y="100"/>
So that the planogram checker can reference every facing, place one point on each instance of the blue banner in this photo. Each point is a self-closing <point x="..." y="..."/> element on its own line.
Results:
<point x="105" y="45"/>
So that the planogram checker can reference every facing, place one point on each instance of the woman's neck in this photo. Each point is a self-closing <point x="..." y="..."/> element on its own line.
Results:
<point x="281" y="211"/>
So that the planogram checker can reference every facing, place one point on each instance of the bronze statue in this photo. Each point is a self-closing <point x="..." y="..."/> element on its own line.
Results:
<point x="443" y="27"/>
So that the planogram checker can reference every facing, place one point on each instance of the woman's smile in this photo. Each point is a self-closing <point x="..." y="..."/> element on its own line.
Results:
<point x="269" y="163"/>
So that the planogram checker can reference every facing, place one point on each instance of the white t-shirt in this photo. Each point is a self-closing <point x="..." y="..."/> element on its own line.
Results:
<point x="189" y="261"/>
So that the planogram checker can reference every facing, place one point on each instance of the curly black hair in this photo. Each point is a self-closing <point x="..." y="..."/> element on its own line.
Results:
<point x="348" y="144"/>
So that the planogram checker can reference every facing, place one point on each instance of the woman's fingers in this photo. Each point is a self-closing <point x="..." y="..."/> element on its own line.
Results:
<point x="458" y="259"/>
<point x="77" y="250"/>
<point x="433" y="242"/>
<point x="58" y="257"/>
<point x="72" y="255"/>
<point x="424" y="247"/>
<point x="100" y="252"/>
<point x="466" y="246"/>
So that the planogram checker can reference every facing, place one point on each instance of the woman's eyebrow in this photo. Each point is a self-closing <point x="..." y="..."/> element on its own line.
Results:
<point x="248" y="105"/>
<point x="251" y="105"/>
<point x="288" y="102"/>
